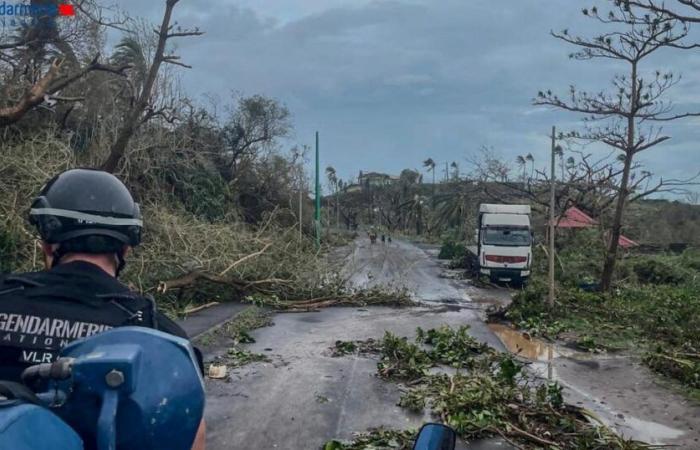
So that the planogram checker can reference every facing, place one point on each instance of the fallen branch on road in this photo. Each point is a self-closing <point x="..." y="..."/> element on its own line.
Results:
<point x="368" y="297"/>
<point x="191" y="279"/>
<point x="489" y="395"/>
<point x="195" y="309"/>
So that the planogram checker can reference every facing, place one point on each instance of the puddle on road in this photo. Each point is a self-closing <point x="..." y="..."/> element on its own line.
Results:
<point x="541" y="352"/>
<point x="523" y="345"/>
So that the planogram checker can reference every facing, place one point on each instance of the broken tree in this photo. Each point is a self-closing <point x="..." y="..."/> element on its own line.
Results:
<point x="621" y="117"/>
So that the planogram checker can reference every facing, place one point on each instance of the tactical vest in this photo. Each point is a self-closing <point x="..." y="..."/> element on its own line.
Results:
<point x="38" y="319"/>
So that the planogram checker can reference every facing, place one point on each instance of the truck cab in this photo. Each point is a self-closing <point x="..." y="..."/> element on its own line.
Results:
<point x="504" y="240"/>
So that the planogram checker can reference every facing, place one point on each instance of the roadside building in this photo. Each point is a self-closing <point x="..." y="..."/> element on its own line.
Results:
<point x="574" y="218"/>
<point x="375" y="179"/>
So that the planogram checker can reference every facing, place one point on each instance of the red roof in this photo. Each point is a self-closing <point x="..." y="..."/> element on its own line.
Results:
<point x="575" y="218"/>
<point x="626" y="242"/>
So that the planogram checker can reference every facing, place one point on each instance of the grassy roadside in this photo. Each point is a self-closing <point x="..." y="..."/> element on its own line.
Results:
<point x="198" y="246"/>
<point x="654" y="313"/>
<point x="232" y="335"/>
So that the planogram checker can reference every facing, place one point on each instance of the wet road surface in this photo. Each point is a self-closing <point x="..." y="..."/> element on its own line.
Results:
<point x="624" y="394"/>
<point x="303" y="396"/>
<point x="404" y="265"/>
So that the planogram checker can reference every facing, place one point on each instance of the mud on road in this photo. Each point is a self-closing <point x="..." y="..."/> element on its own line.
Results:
<point x="303" y="397"/>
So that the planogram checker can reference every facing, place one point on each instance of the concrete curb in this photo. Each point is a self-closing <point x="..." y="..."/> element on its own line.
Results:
<point x="210" y="319"/>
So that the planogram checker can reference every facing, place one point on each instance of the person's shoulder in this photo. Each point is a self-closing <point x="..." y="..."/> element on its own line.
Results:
<point x="18" y="278"/>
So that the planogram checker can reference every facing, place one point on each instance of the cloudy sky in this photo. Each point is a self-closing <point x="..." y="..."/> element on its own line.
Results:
<point x="389" y="83"/>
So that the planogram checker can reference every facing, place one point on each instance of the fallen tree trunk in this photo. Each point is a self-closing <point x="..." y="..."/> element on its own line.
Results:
<point x="190" y="279"/>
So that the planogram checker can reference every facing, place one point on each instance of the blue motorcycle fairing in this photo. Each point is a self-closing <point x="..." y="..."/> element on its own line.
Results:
<point x="155" y="402"/>
<point x="24" y="426"/>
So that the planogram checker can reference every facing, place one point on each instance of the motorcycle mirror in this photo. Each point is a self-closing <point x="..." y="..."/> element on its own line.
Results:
<point x="435" y="436"/>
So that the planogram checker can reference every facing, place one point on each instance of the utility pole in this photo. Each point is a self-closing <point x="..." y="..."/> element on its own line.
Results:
<point x="370" y="208"/>
<point x="433" y="185"/>
<point x="552" y="201"/>
<point x="317" y="214"/>
<point x="337" y="206"/>
<point x="301" y="156"/>
<point x="301" y="201"/>
<point x="301" y="206"/>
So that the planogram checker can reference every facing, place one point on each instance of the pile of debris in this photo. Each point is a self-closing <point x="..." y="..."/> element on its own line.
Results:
<point x="487" y="394"/>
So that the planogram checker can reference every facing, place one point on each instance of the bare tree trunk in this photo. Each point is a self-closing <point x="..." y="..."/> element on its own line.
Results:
<point x="613" y="245"/>
<point x="134" y="118"/>
<point x="611" y="255"/>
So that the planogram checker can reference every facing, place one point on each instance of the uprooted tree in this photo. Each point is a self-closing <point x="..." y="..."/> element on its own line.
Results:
<point x="621" y="116"/>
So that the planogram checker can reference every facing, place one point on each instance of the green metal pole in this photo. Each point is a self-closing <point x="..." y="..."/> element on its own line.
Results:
<point x="318" y="196"/>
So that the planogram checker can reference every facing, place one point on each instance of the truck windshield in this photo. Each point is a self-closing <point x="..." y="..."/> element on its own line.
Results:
<point x="507" y="236"/>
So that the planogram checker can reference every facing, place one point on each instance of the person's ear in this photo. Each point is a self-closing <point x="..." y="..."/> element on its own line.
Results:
<point x="126" y="250"/>
<point x="48" y="251"/>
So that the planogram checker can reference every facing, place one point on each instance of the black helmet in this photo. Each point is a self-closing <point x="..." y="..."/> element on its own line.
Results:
<point x="82" y="203"/>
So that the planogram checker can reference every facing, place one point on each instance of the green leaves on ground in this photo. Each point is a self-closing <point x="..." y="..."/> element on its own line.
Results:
<point x="333" y="292"/>
<point x="489" y="395"/>
<point x="249" y="319"/>
<point x="450" y="347"/>
<point x="342" y="348"/>
<point x="379" y="439"/>
<point x="235" y="333"/>
<point x="683" y="366"/>
<point x="662" y="320"/>
<point x="404" y="360"/>
<point x="236" y="357"/>
<point x="452" y="250"/>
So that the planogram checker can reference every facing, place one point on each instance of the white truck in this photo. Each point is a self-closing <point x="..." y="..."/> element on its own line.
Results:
<point x="504" y="242"/>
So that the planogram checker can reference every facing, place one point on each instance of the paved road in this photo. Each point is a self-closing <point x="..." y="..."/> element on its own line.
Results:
<point x="210" y="318"/>
<point x="304" y="397"/>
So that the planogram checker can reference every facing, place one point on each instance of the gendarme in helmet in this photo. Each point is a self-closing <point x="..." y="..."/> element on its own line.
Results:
<point x="87" y="211"/>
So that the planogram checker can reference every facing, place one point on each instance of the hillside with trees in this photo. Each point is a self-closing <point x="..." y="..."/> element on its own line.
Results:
<point x="219" y="192"/>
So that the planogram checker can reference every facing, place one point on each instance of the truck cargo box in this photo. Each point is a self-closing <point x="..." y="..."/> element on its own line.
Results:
<point x="488" y="208"/>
